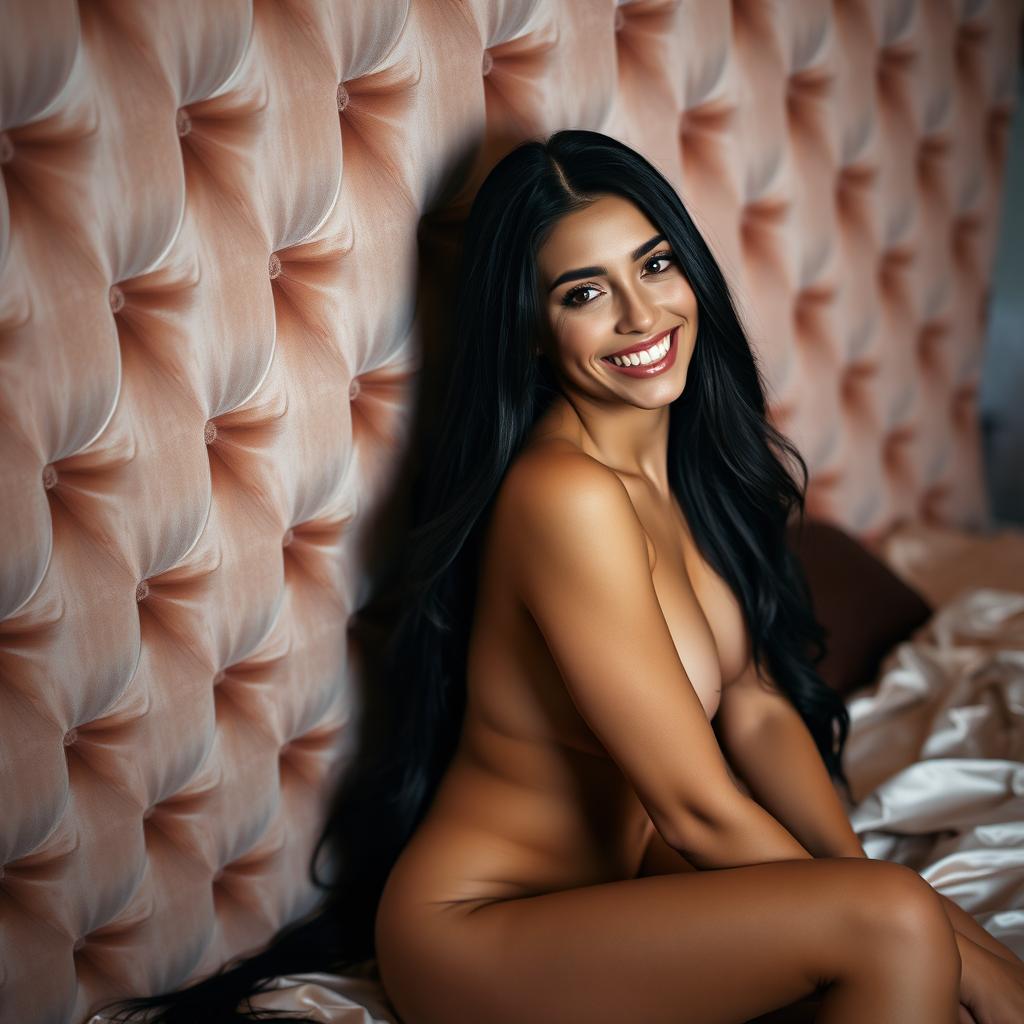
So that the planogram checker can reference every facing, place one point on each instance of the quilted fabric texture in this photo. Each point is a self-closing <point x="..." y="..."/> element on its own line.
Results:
<point x="210" y="340"/>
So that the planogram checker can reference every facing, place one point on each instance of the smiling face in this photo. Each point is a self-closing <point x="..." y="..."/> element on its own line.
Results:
<point x="610" y="283"/>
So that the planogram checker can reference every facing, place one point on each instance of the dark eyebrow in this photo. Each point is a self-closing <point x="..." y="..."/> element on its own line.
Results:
<point x="573" y="275"/>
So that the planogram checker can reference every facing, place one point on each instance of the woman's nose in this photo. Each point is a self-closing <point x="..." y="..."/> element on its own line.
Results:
<point x="637" y="313"/>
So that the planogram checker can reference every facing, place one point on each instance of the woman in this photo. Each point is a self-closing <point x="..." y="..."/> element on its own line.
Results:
<point x="601" y="623"/>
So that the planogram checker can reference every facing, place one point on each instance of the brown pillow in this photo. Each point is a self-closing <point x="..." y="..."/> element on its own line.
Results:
<point x="865" y="608"/>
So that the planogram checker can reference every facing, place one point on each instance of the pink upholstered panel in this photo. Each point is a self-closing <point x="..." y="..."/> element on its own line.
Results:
<point x="208" y="345"/>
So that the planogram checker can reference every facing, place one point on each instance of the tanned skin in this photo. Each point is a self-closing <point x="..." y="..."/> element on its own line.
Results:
<point x="589" y="855"/>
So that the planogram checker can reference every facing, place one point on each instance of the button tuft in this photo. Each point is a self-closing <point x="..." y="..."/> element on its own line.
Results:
<point x="487" y="64"/>
<point x="116" y="297"/>
<point x="354" y="388"/>
<point x="183" y="121"/>
<point x="142" y="591"/>
<point x="49" y="477"/>
<point x="342" y="97"/>
<point x="70" y="737"/>
<point x="210" y="432"/>
<point x="289" y="536"/>
<point x="275" y="265"/>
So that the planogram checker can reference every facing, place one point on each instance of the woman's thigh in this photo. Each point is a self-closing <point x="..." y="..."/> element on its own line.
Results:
<point x="681" y="948"/>
<point x="661" y="859"/>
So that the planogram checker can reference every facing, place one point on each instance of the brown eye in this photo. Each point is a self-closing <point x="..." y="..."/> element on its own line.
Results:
<point x="570" y="297"/>
<point x="569" y="300"/>
<point x="662" y="256"/>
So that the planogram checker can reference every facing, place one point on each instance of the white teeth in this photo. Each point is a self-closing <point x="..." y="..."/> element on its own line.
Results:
<point x="648" y="355"/>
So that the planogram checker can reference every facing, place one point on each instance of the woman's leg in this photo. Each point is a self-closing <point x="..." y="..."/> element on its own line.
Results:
<point x="660" y="859"/>
<point x="702" y="947"/>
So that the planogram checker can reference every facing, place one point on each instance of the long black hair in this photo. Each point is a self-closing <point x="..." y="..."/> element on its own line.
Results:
<point x="729" y="468"/>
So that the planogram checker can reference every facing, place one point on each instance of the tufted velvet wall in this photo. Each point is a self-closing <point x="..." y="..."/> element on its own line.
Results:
<point x="211" y="327"/>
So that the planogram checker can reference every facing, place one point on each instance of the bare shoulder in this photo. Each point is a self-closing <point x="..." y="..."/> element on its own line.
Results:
<point x="563" y="516"/>
<point x="553" y="491"/>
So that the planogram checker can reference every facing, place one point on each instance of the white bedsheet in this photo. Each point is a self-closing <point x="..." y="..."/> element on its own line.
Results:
<point x="935" y="758"/>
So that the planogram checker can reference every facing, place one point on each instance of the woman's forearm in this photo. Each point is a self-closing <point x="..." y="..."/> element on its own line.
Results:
<point x="967" y="926"/>
<point x="776" y="763"/>
<point x="777" y="760"/>
<point x="735" y="835"/>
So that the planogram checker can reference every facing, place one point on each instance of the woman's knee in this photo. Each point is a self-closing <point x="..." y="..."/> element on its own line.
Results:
<point x="892" y="901"/>
<point x="881" y="917"/>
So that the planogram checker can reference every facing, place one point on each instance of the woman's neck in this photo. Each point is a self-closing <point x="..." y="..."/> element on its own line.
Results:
<point x="629" y="440"/>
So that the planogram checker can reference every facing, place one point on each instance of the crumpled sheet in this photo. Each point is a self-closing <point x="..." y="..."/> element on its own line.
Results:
<point x="935" y="759"/>
<point x="332" y="998"/>
<point x="354" y="998"/>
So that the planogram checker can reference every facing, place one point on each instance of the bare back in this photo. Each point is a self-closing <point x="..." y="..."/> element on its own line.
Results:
<point x="531" y="801"/>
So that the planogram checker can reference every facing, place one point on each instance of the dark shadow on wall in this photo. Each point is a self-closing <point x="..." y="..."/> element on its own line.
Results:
<point x="439" y="241"/>
<point x="439" y="246"/>
<point x="1002" y="379"/>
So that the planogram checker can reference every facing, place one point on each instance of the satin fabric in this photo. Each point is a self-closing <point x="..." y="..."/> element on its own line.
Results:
<point x="935" y="758"/>
<point x="332" y="998"/>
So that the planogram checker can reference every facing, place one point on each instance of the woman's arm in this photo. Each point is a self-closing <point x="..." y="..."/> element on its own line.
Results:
<point x="581" y="573"/>
<point x="767" y="744"/>
<point x="967" y="926"/>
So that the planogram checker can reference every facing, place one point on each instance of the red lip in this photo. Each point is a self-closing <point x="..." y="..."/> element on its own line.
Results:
<point x="645" y="370"/>
<point x="640" y="346"/>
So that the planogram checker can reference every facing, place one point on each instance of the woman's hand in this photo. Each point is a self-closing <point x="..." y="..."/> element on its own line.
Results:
<point x="991" y="988"/>
<point x="965" y="924"/>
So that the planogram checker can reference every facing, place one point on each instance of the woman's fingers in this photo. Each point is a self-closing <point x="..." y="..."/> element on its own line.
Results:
<point x="992" y="988"/>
